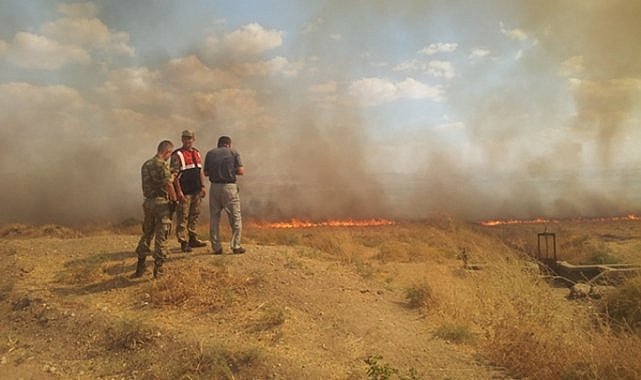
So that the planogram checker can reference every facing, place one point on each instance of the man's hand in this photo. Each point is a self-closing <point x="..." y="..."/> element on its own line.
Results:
<point x="203" y="191"/>
<point x="180" y="196"/>
<point x="172" y="207"/>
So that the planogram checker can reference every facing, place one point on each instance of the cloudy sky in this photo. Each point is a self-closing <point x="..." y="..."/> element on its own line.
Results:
<point x="402" y="109"/>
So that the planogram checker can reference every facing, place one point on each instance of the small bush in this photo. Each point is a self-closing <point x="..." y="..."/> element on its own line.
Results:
<point x="377" y="370"/>
<point x="218" y="361"/>
<point x="270" y="318"/>
<point x="363" y="267"/>
<point x="293" y="263"/>
<point x="623" y="305"/>
<point x="383" y="371"/>
<point x="128" y="334"/>
<point x="454" y="333"/>
<point x="602" y="257"/>
<point x="419" y="296"/>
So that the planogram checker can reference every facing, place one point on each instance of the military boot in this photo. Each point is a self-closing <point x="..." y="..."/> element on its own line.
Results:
<point x="158" y="271"/>
<point x="140" y="268"/>
<point x="195" y="243"/>
<point x="185" y="247"/>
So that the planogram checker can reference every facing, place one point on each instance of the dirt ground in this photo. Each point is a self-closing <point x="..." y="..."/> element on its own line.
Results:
<point x="71" y="311"/>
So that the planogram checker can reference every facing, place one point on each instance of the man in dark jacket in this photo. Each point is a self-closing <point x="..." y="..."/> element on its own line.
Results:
<point x="222" y="165"/>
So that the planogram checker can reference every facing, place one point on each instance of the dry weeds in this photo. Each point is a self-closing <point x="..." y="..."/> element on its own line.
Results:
<point x="198" y="288"/>
<point x="17" y="231"/>
<point x="217" y="361"/>
<point x="420" y="296"/>
<point x="128" y="333"/>
<point x="270" y="317"/>
<point x="505" y="312"/>
<point x="622" y="306"/>
<point x="516" y="320"/>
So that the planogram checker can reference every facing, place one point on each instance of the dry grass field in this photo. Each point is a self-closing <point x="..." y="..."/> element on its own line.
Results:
<point x="384" y="302"/>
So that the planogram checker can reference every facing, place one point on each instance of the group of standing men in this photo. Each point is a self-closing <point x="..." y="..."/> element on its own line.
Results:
<point x="179" y="185"/>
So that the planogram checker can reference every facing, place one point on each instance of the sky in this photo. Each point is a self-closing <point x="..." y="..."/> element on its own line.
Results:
<point x="339" y="109"/>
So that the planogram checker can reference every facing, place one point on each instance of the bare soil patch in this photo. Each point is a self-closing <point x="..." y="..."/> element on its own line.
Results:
<point x="278" y="311"/>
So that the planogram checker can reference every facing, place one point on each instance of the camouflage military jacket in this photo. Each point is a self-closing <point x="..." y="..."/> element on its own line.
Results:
<point x="155" y="177"/>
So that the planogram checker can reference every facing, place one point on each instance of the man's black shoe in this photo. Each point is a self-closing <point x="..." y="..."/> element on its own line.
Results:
<point x="184" y="246"/>
<point x="238" y="251"/>
<point x="218" y="251"/>
<point x="195" y="243"/>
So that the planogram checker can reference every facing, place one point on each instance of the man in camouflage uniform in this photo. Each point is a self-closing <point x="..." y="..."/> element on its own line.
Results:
<point x="190" y="189"/>
<point x="160" y="197"/>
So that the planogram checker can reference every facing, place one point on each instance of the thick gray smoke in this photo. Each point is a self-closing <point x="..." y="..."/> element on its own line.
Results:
<point x="549" y="134"/>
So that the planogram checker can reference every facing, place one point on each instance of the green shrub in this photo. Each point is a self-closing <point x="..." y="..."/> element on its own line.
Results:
<point x="383" y="371"/>
<point x="454" y="333"/>
<point x="419" y="296"/>
<point x="377" y="370"/>
<point x="603" y="257"/>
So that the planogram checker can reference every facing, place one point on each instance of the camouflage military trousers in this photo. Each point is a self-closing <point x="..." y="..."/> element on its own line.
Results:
<point x="187" y="214"/>
<point x="157" y="223"/>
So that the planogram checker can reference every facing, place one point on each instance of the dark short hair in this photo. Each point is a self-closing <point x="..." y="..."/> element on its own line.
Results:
<point x="223" y="141"/>
<point x="164" y="145"/>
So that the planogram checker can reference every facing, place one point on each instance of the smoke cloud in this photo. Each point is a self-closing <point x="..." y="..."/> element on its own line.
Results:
<point x="361" y="110"/>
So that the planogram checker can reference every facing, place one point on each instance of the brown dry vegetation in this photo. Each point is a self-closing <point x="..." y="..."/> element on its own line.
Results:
<point x="340" y="303"/>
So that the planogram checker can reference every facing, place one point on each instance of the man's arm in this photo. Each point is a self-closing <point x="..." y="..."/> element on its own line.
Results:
<point x="203" y="188"/>
<point x="178" y="189"/>
<point x="174" y="167"/>
<point x="166" y="178"/>
<point x="172" y="193"/>
<point x="240" y="169"/>
<point x="206" y="165"/>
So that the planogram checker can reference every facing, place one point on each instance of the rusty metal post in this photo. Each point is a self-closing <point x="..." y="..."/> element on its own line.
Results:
<point x="547" y="256"/>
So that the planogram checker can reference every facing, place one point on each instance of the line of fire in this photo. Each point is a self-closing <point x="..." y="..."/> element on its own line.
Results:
<point x="582" y="279"/>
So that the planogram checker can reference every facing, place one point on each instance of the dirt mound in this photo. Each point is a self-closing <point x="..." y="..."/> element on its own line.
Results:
<point x="275" y="312"/>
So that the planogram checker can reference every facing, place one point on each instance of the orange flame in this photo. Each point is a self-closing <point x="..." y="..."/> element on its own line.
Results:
<point x="490" y="223"/>
<point x="297" y="223"/>
<point x="516" y="221"/>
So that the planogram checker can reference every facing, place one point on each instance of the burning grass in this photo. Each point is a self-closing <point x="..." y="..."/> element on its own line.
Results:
<point x="297" y="223"/>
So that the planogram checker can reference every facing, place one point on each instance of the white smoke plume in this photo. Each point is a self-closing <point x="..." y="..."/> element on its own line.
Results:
<point x="499" y="109"/>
